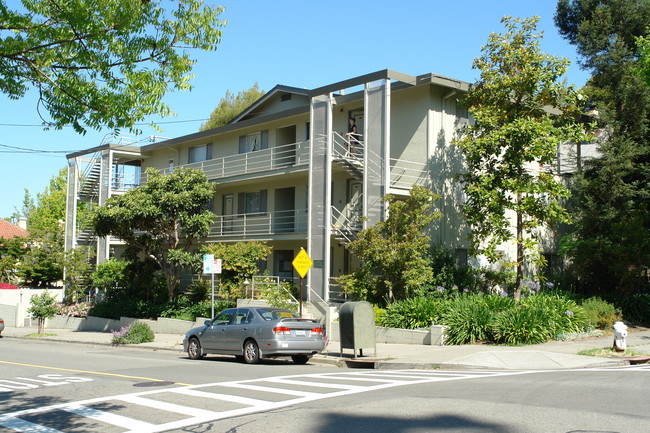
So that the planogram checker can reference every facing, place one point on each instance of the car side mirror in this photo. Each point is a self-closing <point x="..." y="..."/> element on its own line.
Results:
<point x="208" y="323"/>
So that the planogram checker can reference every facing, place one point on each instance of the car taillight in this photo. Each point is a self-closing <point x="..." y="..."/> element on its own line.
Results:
<point x="281" y="330"/>
<point x="318" y="331"/>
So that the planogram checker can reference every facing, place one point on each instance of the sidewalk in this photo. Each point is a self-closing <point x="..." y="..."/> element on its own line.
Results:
<point x="552" y="355"/>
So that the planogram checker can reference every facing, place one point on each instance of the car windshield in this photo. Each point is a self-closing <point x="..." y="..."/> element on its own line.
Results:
<point x="271" y="314"/>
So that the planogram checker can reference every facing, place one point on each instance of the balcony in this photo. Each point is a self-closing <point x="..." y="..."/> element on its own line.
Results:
<point x="267" y="223"/>
<point x="274" y="158"/>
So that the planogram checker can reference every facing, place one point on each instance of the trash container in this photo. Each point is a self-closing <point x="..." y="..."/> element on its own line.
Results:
<point x="357" y="327"/>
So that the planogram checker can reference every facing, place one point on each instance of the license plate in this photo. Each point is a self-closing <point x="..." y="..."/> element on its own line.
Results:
<point x="301" y="333"/>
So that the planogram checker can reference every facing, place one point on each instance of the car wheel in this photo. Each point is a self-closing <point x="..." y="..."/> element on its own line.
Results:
<point x="300" y="359"/>
<point x="251" y="352"/>
<point x="194" y="349"/>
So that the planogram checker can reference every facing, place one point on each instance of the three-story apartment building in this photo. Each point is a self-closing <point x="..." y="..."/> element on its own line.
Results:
<point x="289" y="173"/>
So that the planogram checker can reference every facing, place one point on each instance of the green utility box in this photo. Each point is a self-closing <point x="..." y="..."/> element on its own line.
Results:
<point x="357" y="327"/>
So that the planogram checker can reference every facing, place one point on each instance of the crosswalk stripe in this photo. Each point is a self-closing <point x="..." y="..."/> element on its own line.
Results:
<point x="268" y="389"/>
<point x="108" y="418"/>
<point x="169" y="407"/>
<point x="217" y="396"/>
<point x="316" y="384"/>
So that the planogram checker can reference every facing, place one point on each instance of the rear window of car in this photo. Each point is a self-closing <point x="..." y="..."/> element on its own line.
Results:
<point x="276" y="314"/>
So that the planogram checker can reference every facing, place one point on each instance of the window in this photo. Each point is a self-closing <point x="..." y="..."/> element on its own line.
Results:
<point x="253" y="202"/>
<point x="253" y="142"/>
<point x="199" y="153"/>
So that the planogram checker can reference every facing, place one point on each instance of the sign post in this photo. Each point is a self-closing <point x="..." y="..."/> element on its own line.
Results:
<point x="211" y="266"/>
<point x="302" y="263"/>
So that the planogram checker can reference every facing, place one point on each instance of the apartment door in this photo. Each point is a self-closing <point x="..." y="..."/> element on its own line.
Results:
<point x="285" y="212"/>
<point x="285" y="139"/>
<point x="282" y="264"/>
<point x="354" y="209"/>
<point x="227" y="213"/>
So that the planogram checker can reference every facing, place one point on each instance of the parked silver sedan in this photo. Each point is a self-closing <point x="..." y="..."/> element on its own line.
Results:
<point x="253" y="333"/>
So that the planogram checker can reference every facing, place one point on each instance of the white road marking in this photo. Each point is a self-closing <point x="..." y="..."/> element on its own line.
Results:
<point x="361" y="382"/>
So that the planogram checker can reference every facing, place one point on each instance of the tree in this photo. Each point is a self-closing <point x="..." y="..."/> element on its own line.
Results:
<point x="239" y="262"/>
<point x="43" y="307"/>
<point x="643" y="44"/>
<point x="162" y="219"/>
<point x="106" y="63"/>
<point x="610" y="245"/>
<point x="230" y="106"/>
<point x="394" y="252"/>
<point x="511" y="149"/>
<point x="12" y="252"/>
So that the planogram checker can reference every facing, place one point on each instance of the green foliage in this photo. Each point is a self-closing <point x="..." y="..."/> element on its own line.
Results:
<point x="183" y="308"/>
<point x="231" y="105"/>
<point x="609" y="248"/>
<point x="643" y="44"/>
<point x="12" y="252"/>
<point x="511" y="149"/>
<point x="138" y="332"/>
<point x="523" y="326"/>
<point x="162" y="219"/>
<point x="43" y="307"/>
<point x="106" y="63"/>
<point x="393" y="252"/>
<point x="413" y="313"/>
<point x="110" y="274"/>
<point x="282" y="296"/>
<point x="600" y="314"/>
<point x="239" y="262"/>
<point x="468" y="320"/>
<point x="471" y="318"/>
<point x="77" y="266"/>
<point x="636" y="308"/>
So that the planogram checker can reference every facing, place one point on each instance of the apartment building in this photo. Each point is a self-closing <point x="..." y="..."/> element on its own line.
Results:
<point x="290" y="174"/>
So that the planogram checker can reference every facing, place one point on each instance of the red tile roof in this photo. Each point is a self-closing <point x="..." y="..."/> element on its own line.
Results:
<point x="8" y="230"/>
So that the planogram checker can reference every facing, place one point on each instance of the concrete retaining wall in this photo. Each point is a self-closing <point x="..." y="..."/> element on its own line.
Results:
<point x="99" y="324"/>
<point x="433" y="336"/>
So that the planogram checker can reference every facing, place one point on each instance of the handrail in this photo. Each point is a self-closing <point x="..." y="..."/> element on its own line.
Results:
<point x="278" y="222"/>
<point x="405" y="174"/>
<point x="273" y="158"/>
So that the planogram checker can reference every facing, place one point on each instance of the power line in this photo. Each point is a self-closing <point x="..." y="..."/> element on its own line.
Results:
<point x="14" y="149"/>
<point x="135" y="124"/>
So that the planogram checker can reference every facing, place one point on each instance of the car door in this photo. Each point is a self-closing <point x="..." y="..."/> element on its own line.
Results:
<point x="238" y="330"/>
<point x="214" y="336"/>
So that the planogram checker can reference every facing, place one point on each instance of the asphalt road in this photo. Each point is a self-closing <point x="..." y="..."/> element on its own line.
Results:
<point x="52" y="387"/>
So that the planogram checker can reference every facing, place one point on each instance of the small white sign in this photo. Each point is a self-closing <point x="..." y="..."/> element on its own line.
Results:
<point x="217" y="266"/>
<point x="208" y="263"/>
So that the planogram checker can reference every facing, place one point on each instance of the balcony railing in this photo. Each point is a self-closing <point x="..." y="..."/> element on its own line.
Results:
<point x="404" y="174"/>
<point x="253" y="162"/>
<point x="267" y="223"/>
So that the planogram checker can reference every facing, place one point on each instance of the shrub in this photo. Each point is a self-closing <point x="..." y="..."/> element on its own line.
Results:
<point x="564" y="314"/>
<point x="521" y="325"/>
<point x="600" y="314"/>
<point x="468" y="320"/>
<point x="413" y="313"/>
<point x="636" y="308"/>
<point x="79" y="309"/>
<point x="182" y="308"/>
<point x="137" y="333"/>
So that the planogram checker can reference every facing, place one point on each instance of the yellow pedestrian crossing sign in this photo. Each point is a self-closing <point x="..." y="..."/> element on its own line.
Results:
<point x="302" y="263"/>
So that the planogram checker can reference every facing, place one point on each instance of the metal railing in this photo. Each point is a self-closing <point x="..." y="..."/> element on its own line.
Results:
<point x="348" y="146"/>
<point x="252" y="162"/>
<point x="404" y="174"/>
<point x="261" y="285"/>
<point x="345" y="227"/>
<point x="288" y="221"/>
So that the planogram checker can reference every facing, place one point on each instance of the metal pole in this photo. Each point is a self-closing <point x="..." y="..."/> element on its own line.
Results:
<point x="300" y="303"/>
<point x="213" y="296"/>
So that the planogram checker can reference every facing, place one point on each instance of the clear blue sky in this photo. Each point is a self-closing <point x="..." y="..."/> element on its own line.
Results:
<point x="296" y="43"/>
